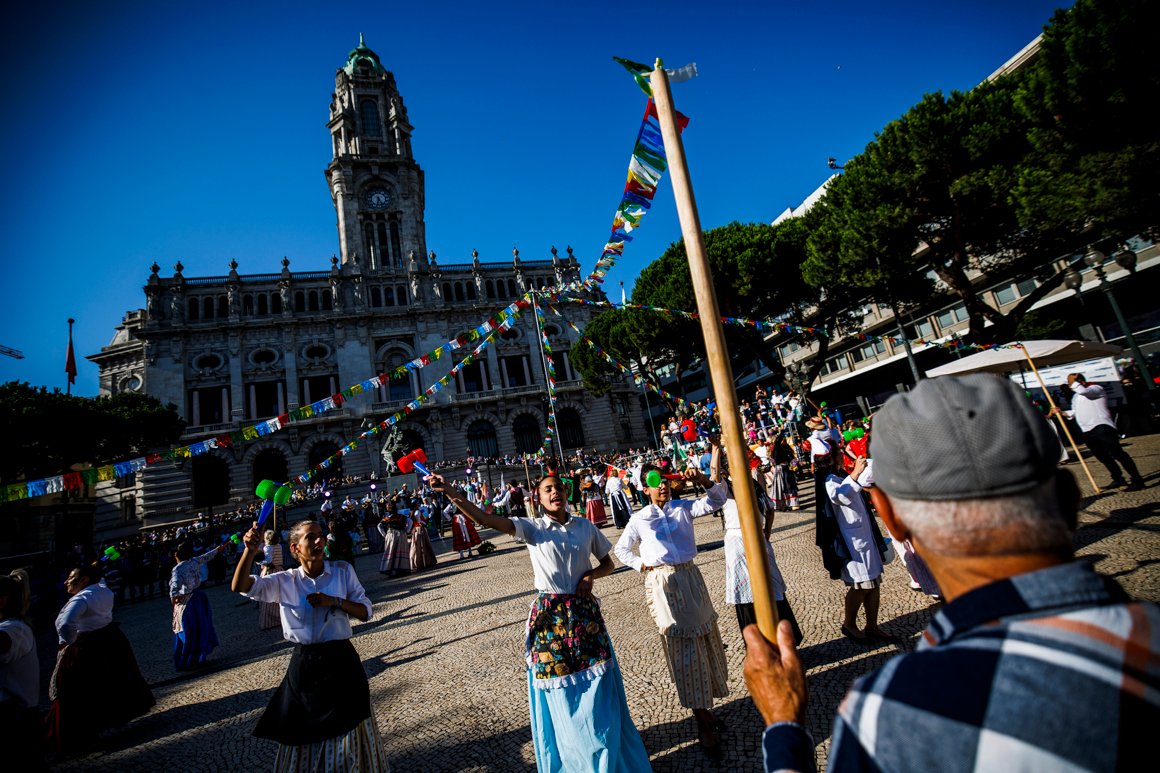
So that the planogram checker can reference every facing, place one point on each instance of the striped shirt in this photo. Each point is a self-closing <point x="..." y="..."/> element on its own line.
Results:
<point x="1050" y="670"/>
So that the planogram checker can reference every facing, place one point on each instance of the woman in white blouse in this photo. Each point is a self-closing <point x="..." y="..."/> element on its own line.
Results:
<point x="579" y="713"/>
<point x="19" y="676"/>
<point x="95" y="667"/>
<point x="194" y="637"/>
<point x="322" y="709"/>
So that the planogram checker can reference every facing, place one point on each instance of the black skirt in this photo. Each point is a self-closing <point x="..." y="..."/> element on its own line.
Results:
<point x="324" y="695"/>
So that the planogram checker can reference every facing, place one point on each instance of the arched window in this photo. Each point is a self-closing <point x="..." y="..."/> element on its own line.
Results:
<point x="570" y="429"/>
<point x="300" y="301"/>
<point x="489" y="288"/>
<point x="527" y="432"/>
<point x="314" y="300"/>
<point x="446" y="291"/>
<point x="327" y="300"/>
<point x="396" y="242"/>
<point x="385" y="258"/>
<point x="411" y="440"/>
<point x="276" y="303"/>
<point x="481" y="439"/>
<point x="194" y="309"/>
<point x="401" y="295"/>
<point x="376" y="298"/>
<point x="471" y="296"/>
<point x="248" y="304"/>
<point x="397" y="388"/>
<point x="207" y="307"/>
<point x="263" y="305"/>
<point x="512" y="288"/>
<point x="321" y="452"/>
<point x="223" y="306"/>
<point x="270" y="464"/>
<point x="459" y="296"/>
<point x="368" y="113"/>
<point x="211" y="481"/>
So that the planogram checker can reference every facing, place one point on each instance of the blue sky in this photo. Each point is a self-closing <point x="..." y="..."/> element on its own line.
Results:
<point x="142" y="131"/>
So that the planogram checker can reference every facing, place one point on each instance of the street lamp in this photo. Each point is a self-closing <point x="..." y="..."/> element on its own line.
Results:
<point x="1125" y="259"/>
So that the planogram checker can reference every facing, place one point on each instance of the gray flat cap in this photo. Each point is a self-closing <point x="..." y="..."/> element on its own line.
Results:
<point x="961" y="437"/>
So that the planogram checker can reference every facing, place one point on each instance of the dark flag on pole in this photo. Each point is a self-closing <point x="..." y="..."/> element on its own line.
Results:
<point x="70" y="361"/>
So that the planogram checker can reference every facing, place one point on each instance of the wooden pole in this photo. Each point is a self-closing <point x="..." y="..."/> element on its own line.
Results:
<point x="720" y="367"/>
<point x="1059" y="418"/>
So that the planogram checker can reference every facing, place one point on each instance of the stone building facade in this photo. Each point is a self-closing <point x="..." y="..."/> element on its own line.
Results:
<point x="232" y="350"/>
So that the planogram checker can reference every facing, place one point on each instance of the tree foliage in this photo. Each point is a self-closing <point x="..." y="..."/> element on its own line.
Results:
<point x="961" y="192"/>
<point x="48" y="431"/>
<point x="1095" y="151"/>
<point x="933" y="191"/>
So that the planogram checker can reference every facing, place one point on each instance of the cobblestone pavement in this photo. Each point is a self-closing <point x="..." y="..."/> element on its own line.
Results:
<point x="444" y="652"/>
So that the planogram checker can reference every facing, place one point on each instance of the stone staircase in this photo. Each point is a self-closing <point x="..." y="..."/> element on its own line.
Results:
<point x="166" y="489"/>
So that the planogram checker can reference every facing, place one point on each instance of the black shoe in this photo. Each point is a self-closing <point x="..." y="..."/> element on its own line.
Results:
<point x="1117" y="483"/>
<point x="710" y="743"/>
<point x="860" y="638"/>
<point x="1136" y="485"/>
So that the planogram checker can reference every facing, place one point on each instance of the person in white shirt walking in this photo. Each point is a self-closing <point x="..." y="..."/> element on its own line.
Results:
<point x="676" y="593"/>
<point x="1089" y="408"/>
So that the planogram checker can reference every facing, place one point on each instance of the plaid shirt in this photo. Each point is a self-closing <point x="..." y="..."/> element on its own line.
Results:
<point x="1051" y="670"/>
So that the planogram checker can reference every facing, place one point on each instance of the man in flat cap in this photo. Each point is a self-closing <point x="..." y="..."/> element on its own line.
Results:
<point x="1035" y="663"/>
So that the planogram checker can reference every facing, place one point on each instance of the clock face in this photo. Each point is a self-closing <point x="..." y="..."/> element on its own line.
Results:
<point x="378" y="198"/>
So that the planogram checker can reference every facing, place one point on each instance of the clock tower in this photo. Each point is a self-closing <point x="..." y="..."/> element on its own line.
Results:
<point x="376" y="186"/>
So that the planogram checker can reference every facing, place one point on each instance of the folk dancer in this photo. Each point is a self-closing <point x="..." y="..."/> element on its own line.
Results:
<point x="677" y="596"/>
<point x="579" y="713"/>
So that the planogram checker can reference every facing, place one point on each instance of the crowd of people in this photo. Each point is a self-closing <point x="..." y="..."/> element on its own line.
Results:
<point x="963" y="474"/>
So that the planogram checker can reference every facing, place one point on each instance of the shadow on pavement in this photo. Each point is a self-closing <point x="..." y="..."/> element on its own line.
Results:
<point x="1117" y="521"/>
<point x="498" y="752"/>
<point x="673" y="746"/>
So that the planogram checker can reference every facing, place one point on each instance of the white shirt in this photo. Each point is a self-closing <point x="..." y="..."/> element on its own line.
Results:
<point x="666" y="536"/>
<point x="302" y="623"/>
<point x="614" y="485"/>
<point x="19" y="666"/>
<point x="1089" y="406"/>
<point x="854" y="522"/>
<point x="189" y="574"/>
<point x="90" y="609"/>
<point x="820" y="442"/>
<point x="560" y="551"/>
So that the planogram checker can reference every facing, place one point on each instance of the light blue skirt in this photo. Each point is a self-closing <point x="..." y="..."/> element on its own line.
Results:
<point x="582" y="723"/>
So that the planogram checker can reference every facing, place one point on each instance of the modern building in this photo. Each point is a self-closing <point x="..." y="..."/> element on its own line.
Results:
<point x="236" y="349"/>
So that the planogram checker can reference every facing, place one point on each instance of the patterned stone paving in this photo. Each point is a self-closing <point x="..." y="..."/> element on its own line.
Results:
<point x="444" y="652"/>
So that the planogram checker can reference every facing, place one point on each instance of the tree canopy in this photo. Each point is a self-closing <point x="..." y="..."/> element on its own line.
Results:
<point x="1095" y="151"/>
<point x="965" y="190"/>
<point x="48" y="431"/>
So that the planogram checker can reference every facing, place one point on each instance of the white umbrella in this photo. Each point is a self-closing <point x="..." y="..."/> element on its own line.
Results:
<point x="1013" y="358"/>
<point x="1047" y="353"/>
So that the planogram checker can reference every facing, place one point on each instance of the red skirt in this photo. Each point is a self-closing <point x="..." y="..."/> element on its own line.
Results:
<point x="594" y="511"/>
<point x="465" y="535"/>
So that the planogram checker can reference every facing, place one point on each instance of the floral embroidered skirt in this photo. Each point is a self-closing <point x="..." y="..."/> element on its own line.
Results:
<point x="579" y="713"/>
